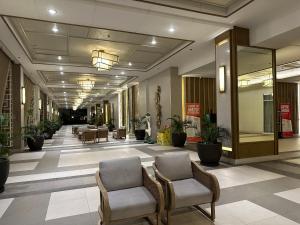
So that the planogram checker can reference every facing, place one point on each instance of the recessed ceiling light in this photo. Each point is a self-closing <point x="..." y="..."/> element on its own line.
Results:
<point x="64" y="92"/>
<point x="171" y="29"/>
<point x="116" y="76"/>
<point x="107" y="83"/>
<point x="60" y="68"/>
<point x="122" y="72"/>
<point x="55" y="29"/>
<point x="129" y="64"/>
<point x="63" y="81"/>
<point x="61" y="73"/>
<point x="64" y="86"/>
<point x="52" y="12"/>
<point x="59" y="58"/>
<point x="153" y="42"/>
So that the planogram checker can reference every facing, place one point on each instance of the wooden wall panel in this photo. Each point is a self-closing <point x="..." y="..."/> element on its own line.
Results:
<point x="203" y="91"/>
<point x="288" y="93"/>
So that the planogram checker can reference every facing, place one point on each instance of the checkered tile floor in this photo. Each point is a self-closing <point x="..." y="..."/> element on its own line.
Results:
<point x="57" y="186"/>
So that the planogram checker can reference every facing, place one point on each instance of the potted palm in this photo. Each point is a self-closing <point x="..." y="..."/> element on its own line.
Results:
<point x="110" y="125"/>
<point x="209" y="149"/>
<point x="48" y="128"/>
<point x="178" y="134"/>
<point x="4" y="151"/>
<point x="34" y="137"/>
<point x="139" y="127"/>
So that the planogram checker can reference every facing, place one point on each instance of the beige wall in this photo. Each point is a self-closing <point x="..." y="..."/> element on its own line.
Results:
<point x="170" y="99"/>
<point x="251" y="110"/>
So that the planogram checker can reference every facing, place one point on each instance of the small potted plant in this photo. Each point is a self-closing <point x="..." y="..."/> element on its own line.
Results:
<point x="209" y="149"/>
<point x="4" y="151"/>
<point x="178" y="134"/>
<point x="110" y="125"/>
<point x="34" y="137"/>
<point x="139" y="127"/>
<point x="48" y="128"/>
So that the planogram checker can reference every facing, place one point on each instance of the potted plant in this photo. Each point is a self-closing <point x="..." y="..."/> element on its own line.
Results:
<point x="139" y="127"/>
<point x="4" y="151"/>
<point x="178" y="134"/>
<point x="48" y="128"/>
<point x="209" y="149"/>
<point x="34" y="137"/>
<point x="110" y="125"/>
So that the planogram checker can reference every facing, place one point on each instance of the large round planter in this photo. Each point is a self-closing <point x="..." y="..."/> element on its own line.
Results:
<point x="178" y="139"/>
<point x="4" y="170"/>
<point x="209" y="153"/>
<point x="36" y="144"/>
<point x="48" y="135"/>
<point x="140" y="134"/>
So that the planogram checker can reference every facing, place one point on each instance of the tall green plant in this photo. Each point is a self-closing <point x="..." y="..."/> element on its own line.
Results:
<point x="139" y="122"/>
<point x="177" y="124"/>
<point x="210" y="132"/>
<point x="4" y="137"/>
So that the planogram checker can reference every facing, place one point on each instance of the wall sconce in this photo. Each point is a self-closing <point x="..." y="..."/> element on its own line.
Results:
<point x="23" y="97"/>
<point x="222" y="79"/>
<point x="40" y="104"/>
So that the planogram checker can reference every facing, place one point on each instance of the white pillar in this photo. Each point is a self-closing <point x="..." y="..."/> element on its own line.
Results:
<point x="36" y="100"/>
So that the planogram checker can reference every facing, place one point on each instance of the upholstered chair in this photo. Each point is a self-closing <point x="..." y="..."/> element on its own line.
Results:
<point x="102" y="133"/>
<point x="128" y="192"/>
<point x="185" y="184"/>
<point x="89" y="135"/>
<point x="119" y="133"/>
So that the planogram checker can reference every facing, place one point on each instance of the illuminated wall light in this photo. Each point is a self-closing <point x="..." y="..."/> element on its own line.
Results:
<point x="52" y="12"/>
<point x="23" y="95"/>
<point x="40" y="104"/>
<point x="222" y="79"/>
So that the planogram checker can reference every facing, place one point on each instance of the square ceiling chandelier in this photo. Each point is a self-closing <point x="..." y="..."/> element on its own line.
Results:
<point x="86" y="84"/>
<point x="103" y="61"/>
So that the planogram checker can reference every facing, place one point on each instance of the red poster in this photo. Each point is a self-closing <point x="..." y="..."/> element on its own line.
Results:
<point x="193" y="115"/>
<point x="193" y="109"/>
<point x="286" y="122"/>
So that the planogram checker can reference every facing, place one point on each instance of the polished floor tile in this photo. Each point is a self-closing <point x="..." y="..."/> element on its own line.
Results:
<point x="4" y="204"/>
<point x="162" y="148"/>
<point x="16" y="167"/>
<point x="87" y="158"/>
<point x="292" y="195"/>
<point x="27" y="156"/>
<point x="49" y="176"/>
<point x="294" y="161"/>
<point x="73" y="202"/>
<point x="241" y="175"/>
<point x="75" y="150"/>
<point x="124" y="146"/>
<point x="247" y="213"/>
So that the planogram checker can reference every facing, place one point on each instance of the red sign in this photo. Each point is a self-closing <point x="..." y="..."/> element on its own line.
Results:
<point x="193" y="109"/>
<point x="286" y="122"/>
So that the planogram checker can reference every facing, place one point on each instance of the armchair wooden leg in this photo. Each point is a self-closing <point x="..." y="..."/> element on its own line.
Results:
<point x="169" y="214"/>
<point x="213" y="211"/>
<point x="158" y="219"/>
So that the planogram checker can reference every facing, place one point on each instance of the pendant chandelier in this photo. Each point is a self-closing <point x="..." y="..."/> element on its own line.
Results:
<point x="103" y="61"/>
<point x="86" y="84"/>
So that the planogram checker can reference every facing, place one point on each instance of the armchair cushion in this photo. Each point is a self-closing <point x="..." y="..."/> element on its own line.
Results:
<point x="190" y="192"/>
<point x="174" y="166"/>
<point x="131" y="202"/>
<point x="122" y="173"/>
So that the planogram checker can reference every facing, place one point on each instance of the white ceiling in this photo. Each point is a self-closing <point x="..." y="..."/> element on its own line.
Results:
<point x="267" y="21"/>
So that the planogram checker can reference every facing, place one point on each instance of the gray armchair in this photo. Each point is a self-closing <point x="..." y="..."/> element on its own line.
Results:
<point x="185" y="184"/>
<point x="127" y="192"/>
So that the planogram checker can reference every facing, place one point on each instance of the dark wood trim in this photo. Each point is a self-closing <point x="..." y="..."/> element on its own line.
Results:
<point x="275" y="99"/>
<point x="195" y="11"/>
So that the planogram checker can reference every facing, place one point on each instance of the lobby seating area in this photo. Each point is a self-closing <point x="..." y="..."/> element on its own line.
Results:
<point x="61" y="181"/>
<point x="139" y="112"/>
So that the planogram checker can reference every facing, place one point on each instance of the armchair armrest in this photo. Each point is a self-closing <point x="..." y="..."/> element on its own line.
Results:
<point x="155" y="189"/>
<point x="104" y="209"/>
<point x="167" y="188"/>
<point x="207" y="179"/>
